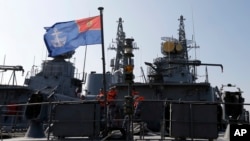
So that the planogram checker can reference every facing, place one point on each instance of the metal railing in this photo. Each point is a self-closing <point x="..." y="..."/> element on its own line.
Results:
<point x="169" y="119"/>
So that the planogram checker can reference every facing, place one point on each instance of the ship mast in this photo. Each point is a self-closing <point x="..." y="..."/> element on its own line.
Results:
<point x="119" y="47"/>
<point x="182" y="37"/>
<point x="120" y="39"/>
<point x="183" y="41"/>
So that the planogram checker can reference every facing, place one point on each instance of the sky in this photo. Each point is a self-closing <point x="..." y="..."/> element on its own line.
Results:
<point x="219" y="27"/>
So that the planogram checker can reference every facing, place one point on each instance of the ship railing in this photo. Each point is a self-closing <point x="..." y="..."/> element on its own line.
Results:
<point x="52" y="72"/>
<point x="179" y="119"/>
<point x="190" y="121"/>
<point x="185" y="118"/>
<point x="12" y="119"/>
<point x="80" y="75"/>
<point x="189" y="118"/>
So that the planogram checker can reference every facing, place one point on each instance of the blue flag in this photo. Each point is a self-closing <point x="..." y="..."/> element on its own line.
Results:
<point x="65" y="37"/>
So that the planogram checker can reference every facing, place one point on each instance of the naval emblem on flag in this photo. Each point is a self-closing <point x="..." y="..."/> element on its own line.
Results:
<point x="64" y="37"/>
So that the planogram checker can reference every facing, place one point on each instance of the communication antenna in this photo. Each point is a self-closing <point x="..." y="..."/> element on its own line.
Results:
<point x="206" y="79"/>
<point x="3" y="64"/>
<point x="194" y="36"/>
<point x="194" y="43"/>
<point x="143" y="75"/>
<point x="84" y="63"/>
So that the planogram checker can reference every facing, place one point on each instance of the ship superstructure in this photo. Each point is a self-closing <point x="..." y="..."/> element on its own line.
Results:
<point x="57" y="73"/>
<point x="56" y="80"/>
<point x="184" y="106"/>
<point x="173" y="105"/>
<point x="167" y="69"/>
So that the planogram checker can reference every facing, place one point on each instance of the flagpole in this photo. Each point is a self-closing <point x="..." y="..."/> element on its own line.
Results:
<point x="103" y="67"/>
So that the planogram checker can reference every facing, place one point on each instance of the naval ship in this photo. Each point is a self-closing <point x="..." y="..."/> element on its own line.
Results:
<point x="174" y="106"/>
<point x="184" y="106"/>
<point x="56" y="81"/>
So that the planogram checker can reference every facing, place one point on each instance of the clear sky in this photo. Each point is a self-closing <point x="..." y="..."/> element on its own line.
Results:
<point x="221" y="28"/>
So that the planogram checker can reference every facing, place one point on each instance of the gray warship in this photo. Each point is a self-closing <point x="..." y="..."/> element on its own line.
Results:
<point x="56" y="81"/>
<point x="174" y="105"/>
